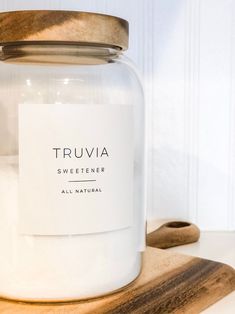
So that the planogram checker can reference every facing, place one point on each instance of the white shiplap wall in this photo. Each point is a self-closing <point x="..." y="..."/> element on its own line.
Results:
<point x="185" y="51"/>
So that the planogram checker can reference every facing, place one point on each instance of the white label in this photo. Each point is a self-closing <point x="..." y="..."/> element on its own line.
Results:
<point x="76" y="168"/>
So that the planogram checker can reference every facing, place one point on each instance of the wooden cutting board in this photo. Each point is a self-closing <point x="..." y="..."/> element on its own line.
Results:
<point x="169" y="283"/>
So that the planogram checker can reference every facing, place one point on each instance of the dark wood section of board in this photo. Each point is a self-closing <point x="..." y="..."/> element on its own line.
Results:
<point x="169" y="283"/>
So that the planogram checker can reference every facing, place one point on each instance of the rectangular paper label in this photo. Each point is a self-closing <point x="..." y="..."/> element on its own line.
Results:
<point x="76" y="168"/>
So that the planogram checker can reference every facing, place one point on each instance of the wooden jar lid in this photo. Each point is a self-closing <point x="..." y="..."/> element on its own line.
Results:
<point x="63" y="26"/>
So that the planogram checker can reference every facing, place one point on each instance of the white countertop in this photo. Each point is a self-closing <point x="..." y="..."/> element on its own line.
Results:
<point x="217" y="246"/>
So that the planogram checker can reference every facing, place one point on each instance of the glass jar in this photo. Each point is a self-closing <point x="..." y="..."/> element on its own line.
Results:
<point x="72" y="186"/>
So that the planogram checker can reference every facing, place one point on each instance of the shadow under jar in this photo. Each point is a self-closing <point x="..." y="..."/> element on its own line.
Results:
<point x="71" y="157"/>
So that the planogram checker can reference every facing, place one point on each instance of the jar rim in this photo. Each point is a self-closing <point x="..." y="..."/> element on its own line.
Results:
<point x="63" y="26"/>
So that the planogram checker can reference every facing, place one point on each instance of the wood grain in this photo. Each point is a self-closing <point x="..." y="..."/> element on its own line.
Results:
<point x="172" y="234"/>
<point x="63" y="26"/>
<point x="169" y="283"/>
